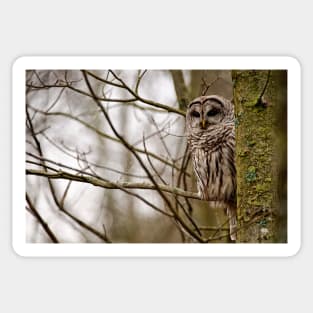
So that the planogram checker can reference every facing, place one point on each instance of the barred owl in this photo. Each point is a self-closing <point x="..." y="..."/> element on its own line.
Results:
<point x="211" y="138"/>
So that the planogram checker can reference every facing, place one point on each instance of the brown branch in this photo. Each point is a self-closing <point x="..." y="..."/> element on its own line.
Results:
<point x="253" y="219"/>
<point x="130" y="101"/>
<point x="151" y="163"/>
<point x="121" y="139"/>
<point x="213" y="228"/>
<point x="126" y="144"/>
<point x="86" y="226"/>
<point x="175" y="197"/>
<point x="208" y="86"/>
<point x="147" y="101"/>
<point x="111" y="185"/>
<point x="79" y="157"/>
<point x="100" y="133"/>
<point x="140" y="76"/>
<point x="82" y="92"/>
<point x="39" y="149"/>
<point x="51" y="187"/>
<point x="41" y="221"/>
<point x="167" y="124"/>
<point x="138" y="158"/>
<point x="184" y="165"/>
<point x="122" y="85"/>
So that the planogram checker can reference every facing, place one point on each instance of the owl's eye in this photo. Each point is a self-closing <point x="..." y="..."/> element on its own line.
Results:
<point x="213" y="112"/>
<point x="195" y="114"/>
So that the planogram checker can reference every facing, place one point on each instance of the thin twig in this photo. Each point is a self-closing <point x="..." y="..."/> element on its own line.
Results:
<point x="147" y="101"/>
<point x="41" y="221"/>
<point x="208" y="86"/>
<point x="100" y="133"/>
<point x="140" y="76"/>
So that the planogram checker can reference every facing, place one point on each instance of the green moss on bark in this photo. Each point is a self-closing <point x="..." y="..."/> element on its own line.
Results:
<point x="255" y="98"/>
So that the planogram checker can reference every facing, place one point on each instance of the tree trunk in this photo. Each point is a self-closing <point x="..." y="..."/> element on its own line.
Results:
<point x="261" y="107"/>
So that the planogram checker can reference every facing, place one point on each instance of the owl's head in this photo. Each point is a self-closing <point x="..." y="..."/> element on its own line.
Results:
<point x="207" y="111"/>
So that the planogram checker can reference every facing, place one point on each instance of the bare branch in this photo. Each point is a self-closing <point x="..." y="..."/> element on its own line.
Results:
<point x="100" y="133"/>
<point x="111" y="185"/>
<point x="206" y="86"/>
<point x="140" y="76"/>
<point x="147" y="101"/>
<point x="66" y="85"/>
<point x="41" y="221"/>
<point x="136" y="96"/>
<point x="175" y="198"/>
<point x="140" y="161"/>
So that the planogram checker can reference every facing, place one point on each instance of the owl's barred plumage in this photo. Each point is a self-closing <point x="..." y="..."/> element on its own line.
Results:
<point x="211" y="138"/>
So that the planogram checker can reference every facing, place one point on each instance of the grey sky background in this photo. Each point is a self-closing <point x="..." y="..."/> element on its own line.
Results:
<point x="156" y="28"/>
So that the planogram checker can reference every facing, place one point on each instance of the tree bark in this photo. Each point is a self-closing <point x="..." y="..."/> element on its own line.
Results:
<point x="259" y="96"/>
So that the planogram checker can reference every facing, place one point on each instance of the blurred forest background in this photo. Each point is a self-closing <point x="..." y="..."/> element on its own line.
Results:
<point x="107" y="160"/>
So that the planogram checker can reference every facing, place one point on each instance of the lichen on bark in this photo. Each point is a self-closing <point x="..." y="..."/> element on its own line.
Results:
<point x="256" y="98"/>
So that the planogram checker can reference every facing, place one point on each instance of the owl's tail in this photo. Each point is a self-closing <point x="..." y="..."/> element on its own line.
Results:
<point x="232" y="216"/>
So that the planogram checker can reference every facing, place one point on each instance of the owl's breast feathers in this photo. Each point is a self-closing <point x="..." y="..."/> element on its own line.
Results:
<point x="213" y="159"/>
<point x="211" y="138"/>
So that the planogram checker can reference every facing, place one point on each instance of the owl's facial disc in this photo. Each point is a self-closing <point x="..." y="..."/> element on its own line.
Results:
<point x="195" y="114"/>
<point x="212" y="114"/>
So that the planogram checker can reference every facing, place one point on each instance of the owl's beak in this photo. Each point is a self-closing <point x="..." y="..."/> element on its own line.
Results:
<point x="203" y="124"/>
